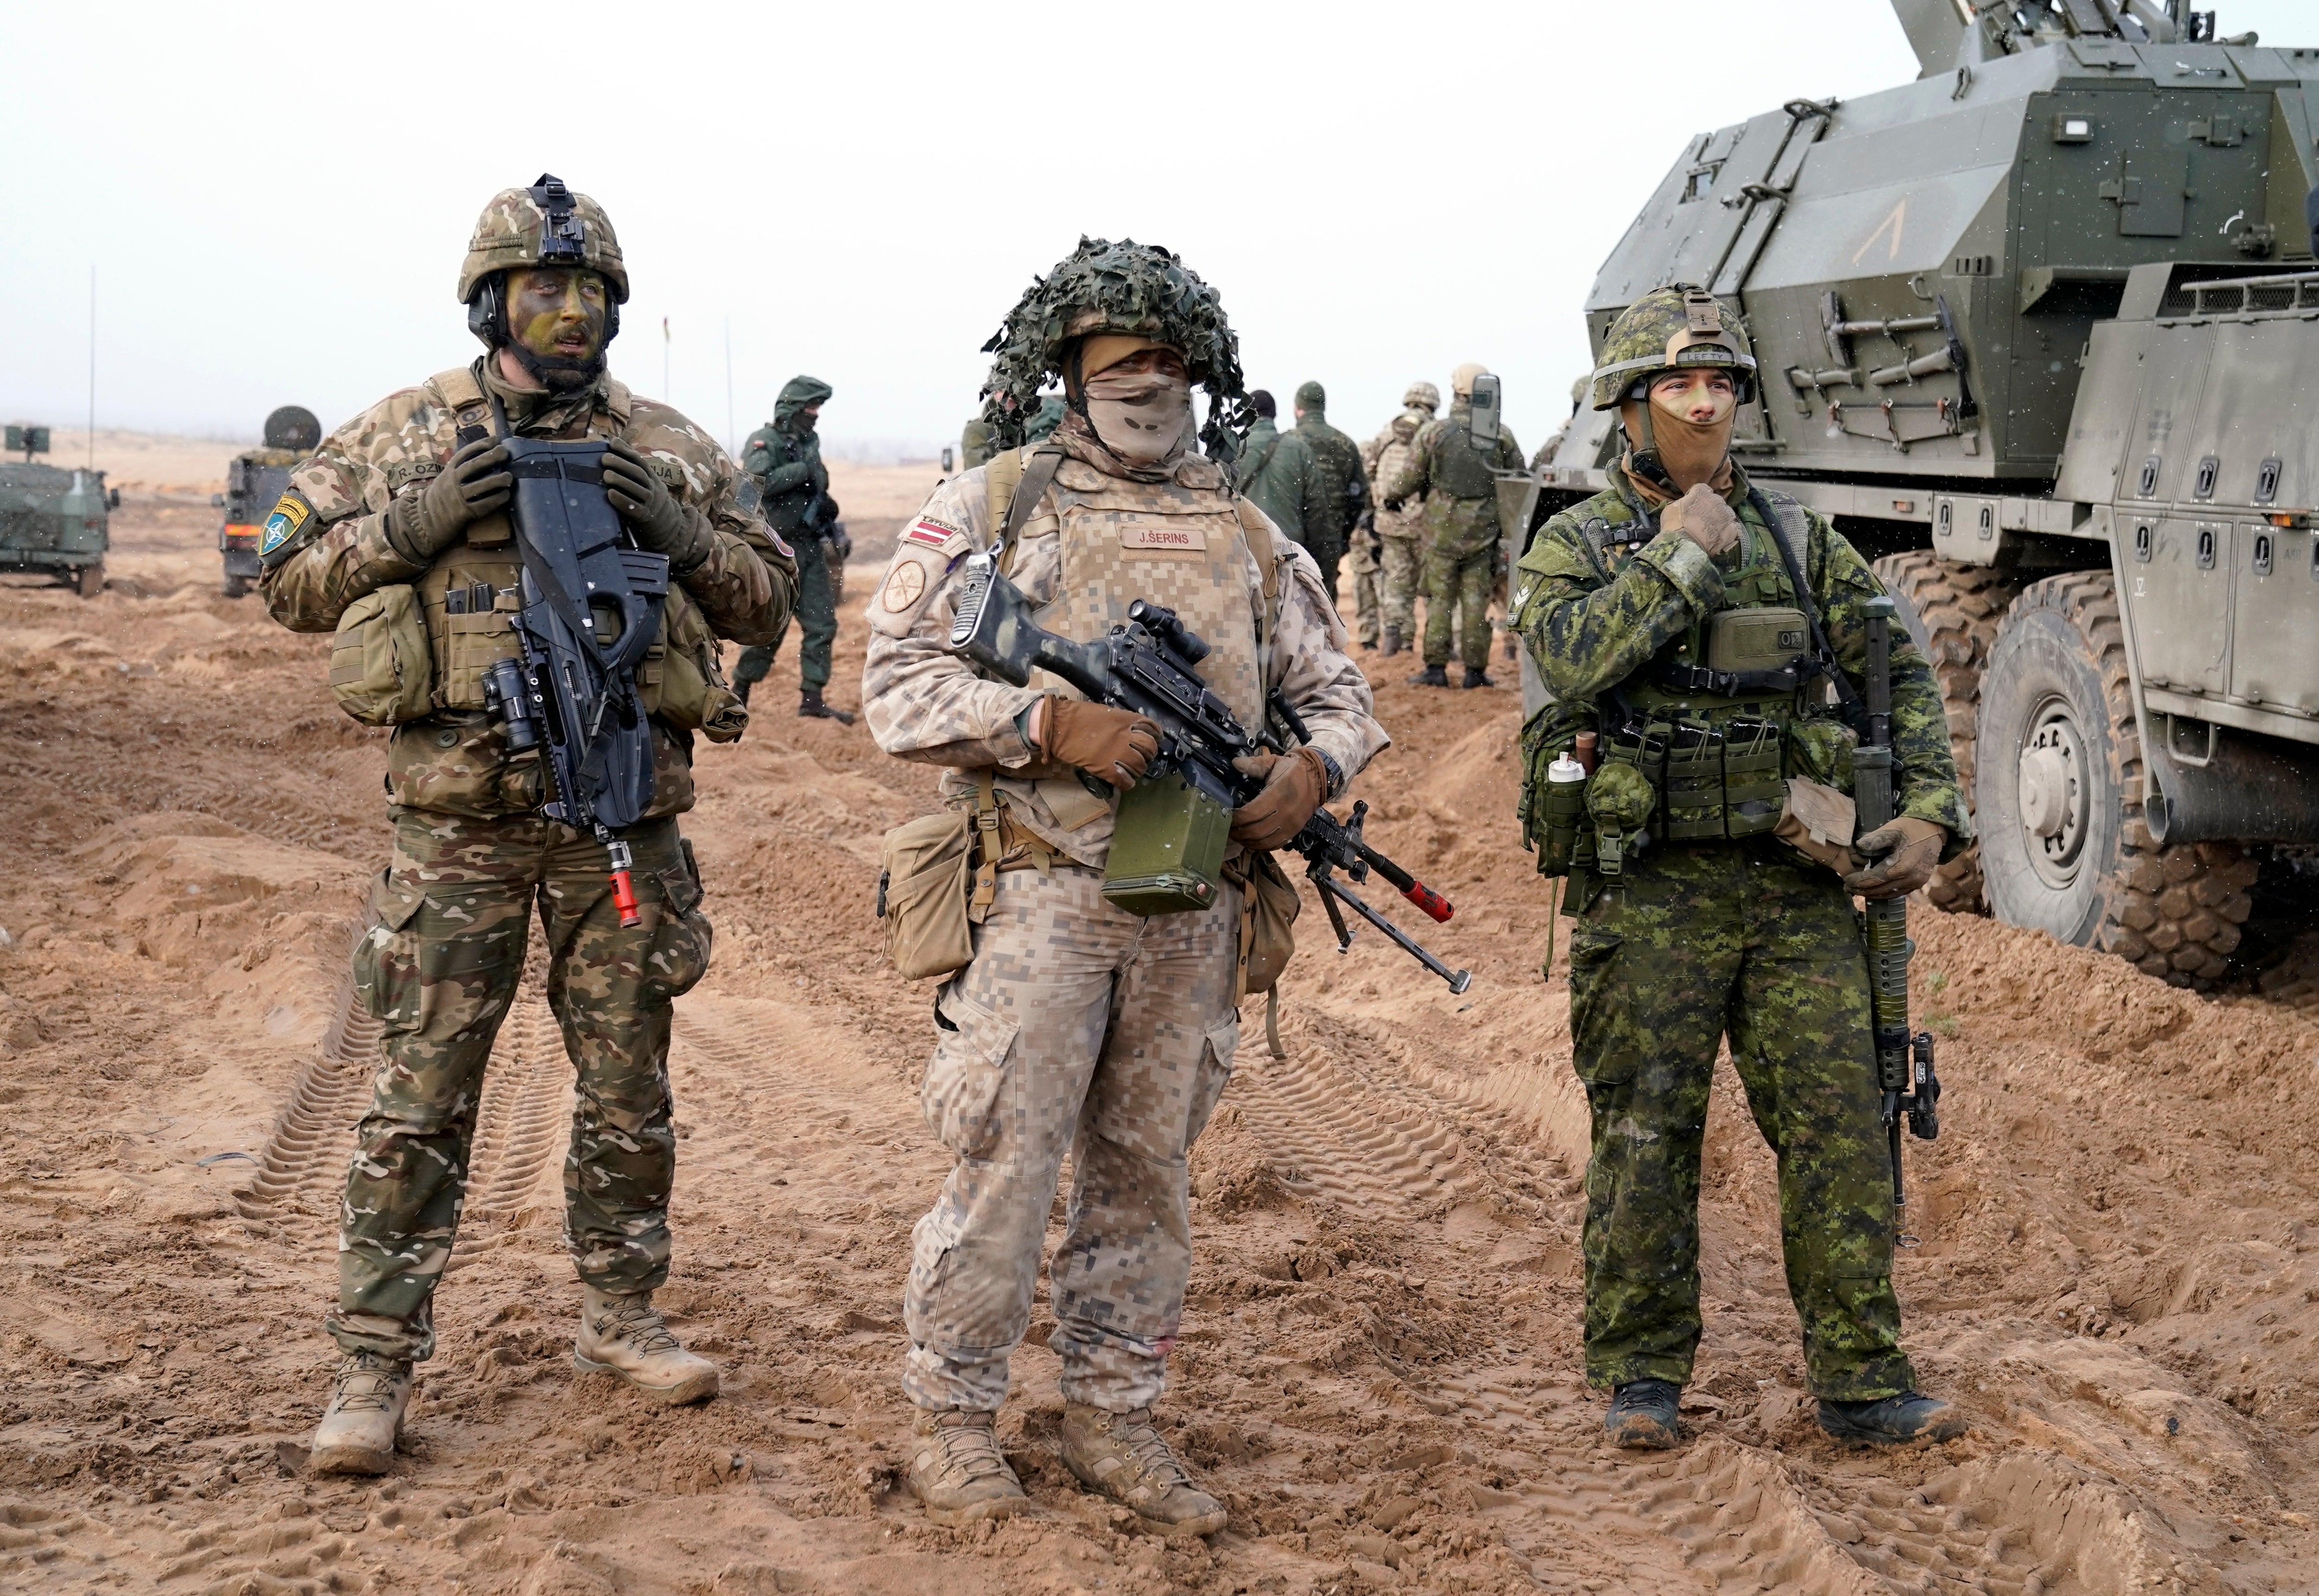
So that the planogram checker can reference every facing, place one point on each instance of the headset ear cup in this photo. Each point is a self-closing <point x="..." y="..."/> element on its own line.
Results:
<point x="612" y="320"/>
<point x="484" y="318"/>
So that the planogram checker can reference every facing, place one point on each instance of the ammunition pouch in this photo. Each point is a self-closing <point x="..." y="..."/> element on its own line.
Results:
<point x="681" y="678"/>
<point x="1622" y="794"/>
<point x="1166" y="849"/>
<point x="382" y="669"/>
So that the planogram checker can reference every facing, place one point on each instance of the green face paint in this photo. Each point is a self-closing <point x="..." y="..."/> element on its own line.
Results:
<point x="557" y="314"/>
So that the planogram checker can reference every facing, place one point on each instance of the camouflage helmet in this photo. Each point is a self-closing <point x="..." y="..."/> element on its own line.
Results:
<point x="292" y="427"/>
<point x="546" y="224"/>
<point x="1126" y="287"/>
<point x="1422" y="396"/>
<point x="1669" y="329"/>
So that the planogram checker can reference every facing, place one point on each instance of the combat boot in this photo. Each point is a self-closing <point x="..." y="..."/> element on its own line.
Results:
<point x="811" y="708"/>
<point x="356" y="1435"/>
<point x="1892" y="1421"/>
<point x="1122" y="1456"/>
<point x="741" y="690"/>
<point x="1392" y="644"/>
<point x="1475" y="676"/>
<point x="1431" y="676"/>
<point x="1644" y="1413"/>
<point x="957" y="1470"/>
<point x="626" y="1335"/>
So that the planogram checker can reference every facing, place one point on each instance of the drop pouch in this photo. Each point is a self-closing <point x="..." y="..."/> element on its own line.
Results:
<point x="1267" y="909"/>
<point x="381" y="671"/>
<point x="925" y="877"/>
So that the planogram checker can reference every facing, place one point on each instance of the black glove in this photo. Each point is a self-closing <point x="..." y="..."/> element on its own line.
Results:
<point x="840" y="544"/>
<point x="652" y="512"/>
<point x="1393" y="505"/>
<point x="476" y="483"/>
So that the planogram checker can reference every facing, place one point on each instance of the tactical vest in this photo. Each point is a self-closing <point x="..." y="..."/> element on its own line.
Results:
<point x="1458" y="469"/>
<point x="469" y="597"/>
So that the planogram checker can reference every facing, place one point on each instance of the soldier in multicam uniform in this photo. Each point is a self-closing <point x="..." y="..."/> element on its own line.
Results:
<point x="1624" y="601"/>
<point x="1461" y="524"/>
<point x="1078" y="1025"/>
<point x="1400" y="533"/>
<point x="784" y="458"/>
<point x="415" y="492"/>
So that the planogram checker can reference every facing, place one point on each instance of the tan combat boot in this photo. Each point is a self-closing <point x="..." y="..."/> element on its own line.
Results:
<point x="1123" y="1456"/>
<point x="957" y="1470"/>
<point x="356" y="1435"/>
<point x="626" y="1335"/>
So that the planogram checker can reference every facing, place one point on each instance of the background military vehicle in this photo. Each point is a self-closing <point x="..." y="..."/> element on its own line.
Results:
<point x="255" y="480"/>
<point x="2041" y="331"/>
<point x="53" y="521"/>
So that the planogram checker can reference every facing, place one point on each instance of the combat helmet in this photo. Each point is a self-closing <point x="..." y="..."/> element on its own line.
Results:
<point x="1669" y="329"/>
<point x="1126" y="287"/>
<point x="1422" y="396"/>
<point x="547" y="225"/>
<point x="1461" y="380"/>
<point x="292" y="427"/>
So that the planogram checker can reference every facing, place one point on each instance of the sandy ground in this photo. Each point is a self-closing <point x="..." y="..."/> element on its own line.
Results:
<point x="1379" y="1368"/>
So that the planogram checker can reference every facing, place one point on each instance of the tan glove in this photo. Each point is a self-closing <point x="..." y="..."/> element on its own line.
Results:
<point x="1295" y="785"/>
<point x="1702" y="516"/>
<point x="1911" y="849"/>
<point x="1816" y="821"/>
<point x="1114" y="745"/>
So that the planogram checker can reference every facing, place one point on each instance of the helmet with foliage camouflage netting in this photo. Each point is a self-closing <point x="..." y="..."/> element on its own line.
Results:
<point x="1126" y="287"/>
<point x="1422" y="396"/>
<point x="1667" y="329"/>
<point x="545" y="225"/>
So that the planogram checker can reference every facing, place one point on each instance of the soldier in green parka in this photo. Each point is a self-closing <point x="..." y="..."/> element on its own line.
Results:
<point x="784" y="458"/>
<point x="1665" y="617"/>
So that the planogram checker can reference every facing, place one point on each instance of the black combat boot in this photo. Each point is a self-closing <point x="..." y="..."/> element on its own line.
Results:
<point x="1646" y="1414"/>
<point x="741" y="689"/>
<point x="811" y="708"/>
<point x="1392" y="645"/>
<point x="1431" y="676"/>
<point x="1888" y="1421"/>
<point x="1475" y="676"/>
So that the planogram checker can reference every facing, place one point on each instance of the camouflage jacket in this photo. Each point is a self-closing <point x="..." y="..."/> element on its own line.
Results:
<point x="1594" y="610"/>
<point x="1278" y="472"/>
<point x="1384" y="456"/>
<point x="925" y="704"/>
<point x="1345" y="485"/>
<point x="1458" y="526"/>
<point x="457" y="762"/>
<point x="789" y="475"/>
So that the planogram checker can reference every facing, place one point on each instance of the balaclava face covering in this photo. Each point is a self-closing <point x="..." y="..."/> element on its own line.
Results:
<point x="1140" y="417"/>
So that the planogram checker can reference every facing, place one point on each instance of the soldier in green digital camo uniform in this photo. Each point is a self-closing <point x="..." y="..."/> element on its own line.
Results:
<point x="403" y="512"/>
<point x="1461" y="517"/>
<point x="1344" y="483"/>
<point x="784" y="458"/>
<point x="1639" y="607"/>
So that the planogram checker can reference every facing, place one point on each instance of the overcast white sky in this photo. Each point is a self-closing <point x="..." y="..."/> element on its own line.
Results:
<point x="276" y="197"/>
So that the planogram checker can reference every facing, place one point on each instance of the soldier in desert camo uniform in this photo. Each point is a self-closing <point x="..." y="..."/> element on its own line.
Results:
<point x="1078" y="1025"/>
<point x="1400" y="551"/>
<point x="414" y="493"/>
<point x="1627" y="603"/>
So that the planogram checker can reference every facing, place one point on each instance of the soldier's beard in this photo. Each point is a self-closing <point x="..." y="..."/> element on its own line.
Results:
<point x="1140" y="417"/>
<point x="559" y="374"/>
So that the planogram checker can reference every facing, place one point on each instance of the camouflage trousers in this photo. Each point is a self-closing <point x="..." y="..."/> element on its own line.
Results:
<point x="1457" y="588"/>
<point x="1689" y="944"/>
<point x="1400" y="571"/>
<point x="1078" y="1027"/>
<point x="439" y="969"/>
<point x="817" y="620"/>
<point x="1362" y="560"/>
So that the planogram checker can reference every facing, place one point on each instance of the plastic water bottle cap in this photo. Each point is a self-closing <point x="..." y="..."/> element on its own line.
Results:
<point x="1565" y="769"/>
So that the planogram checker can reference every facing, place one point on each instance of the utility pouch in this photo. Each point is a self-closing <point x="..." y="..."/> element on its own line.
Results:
<point x="1756" y="638"/>
<point x="1694" y="789"/>
<point x="1267" y="919"/>
<point x="926" y="872"/>
<point x="1752" y="791"/>
<point x="382" y="672"/>
<point x="1562" y="805"/>
<point x="1821" y="751"/>
<point x="1167" y="848"/>
<point x="1624" y="792"/>
<point x="684" y="684"/>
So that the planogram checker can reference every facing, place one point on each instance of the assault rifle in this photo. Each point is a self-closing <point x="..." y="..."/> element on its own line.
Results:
<point x="1904" y="1063"/>
<point x="1147" y="666"/>
<point x="592" y="608"/>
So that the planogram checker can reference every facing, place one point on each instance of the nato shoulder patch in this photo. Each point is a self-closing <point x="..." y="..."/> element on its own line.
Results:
<point x="291" y="514"/>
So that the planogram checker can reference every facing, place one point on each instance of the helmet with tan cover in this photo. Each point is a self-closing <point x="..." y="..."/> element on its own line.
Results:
<point x="1422" y="396"/>
<point x="1669" y="329"/>
<point x="1461" y="380"/>
<point x="545" y="225"/>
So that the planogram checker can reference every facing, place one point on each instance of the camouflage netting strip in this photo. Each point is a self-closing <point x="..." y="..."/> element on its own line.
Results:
<point x="1123" y="287"/>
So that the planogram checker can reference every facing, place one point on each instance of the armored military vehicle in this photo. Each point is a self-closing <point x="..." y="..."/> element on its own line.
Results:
<point x="54" y="522"/>
<point x="255" y="480"/>
<point x="2041" y="331"/>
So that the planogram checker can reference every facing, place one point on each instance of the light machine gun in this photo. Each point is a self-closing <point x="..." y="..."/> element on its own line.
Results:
<point x="1904" y="1063"/>
<point x="1146" y="666"/>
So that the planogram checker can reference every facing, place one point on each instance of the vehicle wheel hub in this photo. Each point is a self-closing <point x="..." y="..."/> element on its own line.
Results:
<point x="2054" y="793"/>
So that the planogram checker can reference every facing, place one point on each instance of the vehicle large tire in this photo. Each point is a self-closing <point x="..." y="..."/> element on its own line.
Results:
<point x="91" y="581"/>
<point x="2057" y="796"/>
<point x="236" y="586"/>
<point x="1953" y="612"/>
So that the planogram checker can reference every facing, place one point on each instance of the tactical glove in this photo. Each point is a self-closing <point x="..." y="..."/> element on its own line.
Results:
<point x="1393" y="505"/>
<point x="1702" y="516"/>
<point x="1114" y="745"/>
<point x="1911" y="849"/>
<point x="1295" y="785"/>
<point x="652" y="512"/>
<point x="476" y="483"/>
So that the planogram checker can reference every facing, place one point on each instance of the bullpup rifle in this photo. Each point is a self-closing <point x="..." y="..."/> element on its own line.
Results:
<point x="1147" y="666"/>
<point x="1904" y="1063"/>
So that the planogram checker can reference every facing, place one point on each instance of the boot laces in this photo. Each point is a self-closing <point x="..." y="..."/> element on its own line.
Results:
<point x="366" y="1382"/>
<point x="970" y="1449"/>
<point x="641" y="1326"/>
<point x="1148" y="1447"/>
